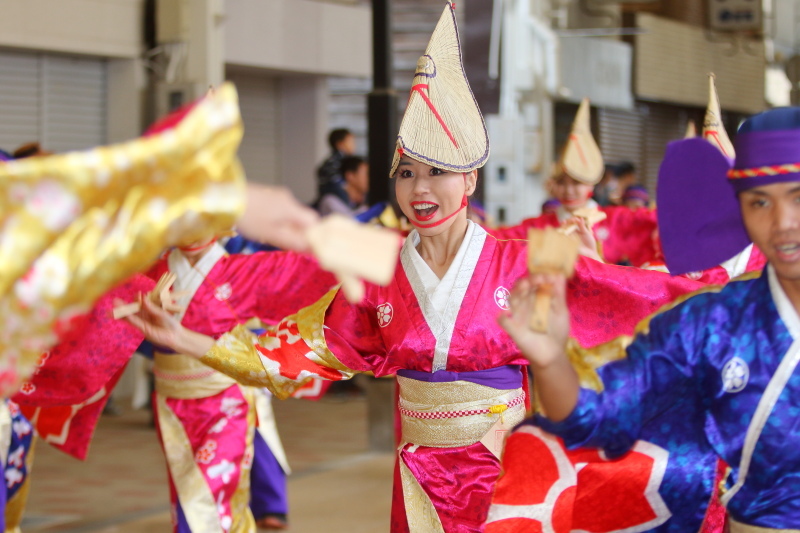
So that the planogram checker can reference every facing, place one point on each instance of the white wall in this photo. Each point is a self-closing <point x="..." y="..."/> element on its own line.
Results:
<point x="108" y="28"/>
<point x="304" y="132"/>
<point x="126" y="83"/>
<point x="300" y="36"/>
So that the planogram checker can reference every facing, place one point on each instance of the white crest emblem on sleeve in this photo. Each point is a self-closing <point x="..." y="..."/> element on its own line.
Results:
<point x="501" y="296"/>
<point x="735" y="374"/>
<point x="385" y="314"/>
<point x="223" y="292"/>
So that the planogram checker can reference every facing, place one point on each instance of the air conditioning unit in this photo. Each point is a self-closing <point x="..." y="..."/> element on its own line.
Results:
<point x="171" y="96"/>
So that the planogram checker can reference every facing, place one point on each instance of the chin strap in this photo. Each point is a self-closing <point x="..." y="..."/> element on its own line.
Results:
<point x="464" y="204"/>
<point x="197" y="248"/>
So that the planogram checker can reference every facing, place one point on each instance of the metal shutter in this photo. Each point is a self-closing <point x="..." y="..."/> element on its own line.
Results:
<point x="621" y="136"/>
<point x="73" y="103"/>
<point x="664" y="123"/>
<point x="20" y="100"/>
<point x="348" y="107"/>
<point x="259" y="101"/>
<point x="58" y="101"/>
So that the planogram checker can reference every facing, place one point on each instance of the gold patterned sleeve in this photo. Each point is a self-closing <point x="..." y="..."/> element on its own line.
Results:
<point x="284" y="357"/>
<point x="73" y="226"/>
<point x="586" y="361"/>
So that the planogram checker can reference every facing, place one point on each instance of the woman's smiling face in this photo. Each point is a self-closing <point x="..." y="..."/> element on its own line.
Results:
<point x="431" y="198"/>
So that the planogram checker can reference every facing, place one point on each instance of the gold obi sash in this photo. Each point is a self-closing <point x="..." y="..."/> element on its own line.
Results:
<point x="455" y="413"/>
<point x="184" y="377"/>
<point x="738" y="527"/>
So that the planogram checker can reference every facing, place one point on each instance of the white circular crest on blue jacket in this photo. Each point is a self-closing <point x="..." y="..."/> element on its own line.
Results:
<point x="735" y="374"/>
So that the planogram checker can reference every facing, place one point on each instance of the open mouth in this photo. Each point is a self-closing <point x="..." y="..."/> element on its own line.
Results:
<point x="788" y="251"/>
<point x="424" y="211"/>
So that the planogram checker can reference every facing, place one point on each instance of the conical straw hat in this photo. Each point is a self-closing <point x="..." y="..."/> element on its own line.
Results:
<point x="581" y="158"/>
<point x="713" y="129"/>
<point x="691" y="130"/>
<point x="443" y="126"/>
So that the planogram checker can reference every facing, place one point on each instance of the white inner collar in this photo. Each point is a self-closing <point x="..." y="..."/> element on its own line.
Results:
<point x="440" y="300"/>
<point x="433" y="284"/>
<point x="786" y="310"/>
<point x="188" y="277"/>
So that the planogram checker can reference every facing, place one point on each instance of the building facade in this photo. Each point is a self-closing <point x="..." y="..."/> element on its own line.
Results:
<point x="81" y="73"/>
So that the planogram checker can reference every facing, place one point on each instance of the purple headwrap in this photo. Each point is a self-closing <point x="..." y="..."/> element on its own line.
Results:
<point x="700" y="222"/>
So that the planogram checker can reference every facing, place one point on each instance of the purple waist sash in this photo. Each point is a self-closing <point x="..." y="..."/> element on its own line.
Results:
<point x="503" y="377"/>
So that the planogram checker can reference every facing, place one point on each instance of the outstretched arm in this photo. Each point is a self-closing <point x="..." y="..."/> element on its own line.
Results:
<point x="555" y="381"/>
<point x="161" y="328"/>
<point x="274" y="216"/>
<point x="281" y="359"/>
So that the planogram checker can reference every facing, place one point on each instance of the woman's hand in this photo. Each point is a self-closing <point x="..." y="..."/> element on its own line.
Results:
<point x="274" y="216"/>
<point x="588" y="242"/>
<point x="555" y="381"/>
<point x="541" y="349"/>
<point x="158" y="326"/>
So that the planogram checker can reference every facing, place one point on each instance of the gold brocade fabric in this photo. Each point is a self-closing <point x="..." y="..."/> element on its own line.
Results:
<point x="587" y="361"/>
<point x="195" y="497"/>
<point x="420" y="512"/>
<point x="184" y="377"/>
<point x="74" y="225"/>
<point x="299" y="340"/>
<point x="452" y="397"/>
<point x="243" y="520"/>
<point x="738" y="527"/>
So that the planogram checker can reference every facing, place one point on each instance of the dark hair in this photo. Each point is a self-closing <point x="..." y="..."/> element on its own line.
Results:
<point x="625" y="167"/>
<point x="337" y="136"/>
<point x="352" y="163"/>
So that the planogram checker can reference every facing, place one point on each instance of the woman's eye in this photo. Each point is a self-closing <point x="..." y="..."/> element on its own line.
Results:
<point x="406" y="174"/>
<point x="759" y="203"/>
<point x="436" y="172"/>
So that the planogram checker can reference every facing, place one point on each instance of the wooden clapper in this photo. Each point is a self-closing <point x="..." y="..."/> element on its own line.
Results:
<point x="160" y="295"/>
<point x="354" y="252"/>
<point x="591" y="215"/>
<point x="549" y="252"/>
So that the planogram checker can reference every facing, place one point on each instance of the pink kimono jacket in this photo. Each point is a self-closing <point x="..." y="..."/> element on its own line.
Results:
<point x="460" y="376"/>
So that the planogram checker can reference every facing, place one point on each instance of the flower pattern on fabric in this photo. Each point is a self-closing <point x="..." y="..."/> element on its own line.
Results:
<point x="53" y="204"/>
<point x="694" y="275"/>
<point x="501" y="296"/>
<point x="231" y="407"/>
<point x="71" y="220"/>
<point x="735" y="375"/>
<point x="14" y="477"/>
<point x="223" y="292"/>
<point x="219" y="426"/>
<point x="48" y="278"/>
<point x="17" y="462"/>
<point x="385" y="314"/>
<point x="225" y="520"/>
<point x="206" y="453"/>
<point x="27" y="388"/>
<point x="223" y="470"/>
<point x="20" y="426"/>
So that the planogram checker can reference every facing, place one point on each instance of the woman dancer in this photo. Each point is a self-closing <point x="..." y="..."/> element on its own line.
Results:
<point x="434" y="326"/>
